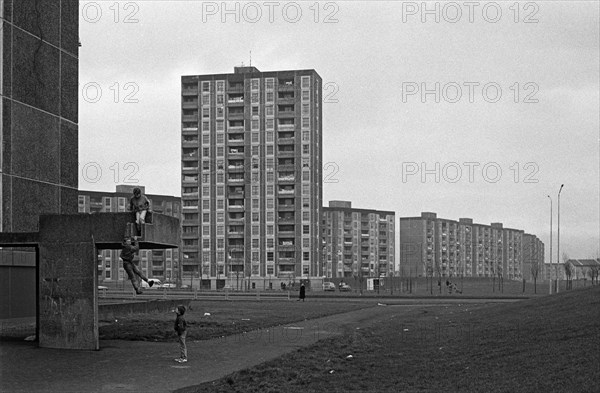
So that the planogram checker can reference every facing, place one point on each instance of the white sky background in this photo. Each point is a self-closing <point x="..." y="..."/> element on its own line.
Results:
<point x="370" y="134"/>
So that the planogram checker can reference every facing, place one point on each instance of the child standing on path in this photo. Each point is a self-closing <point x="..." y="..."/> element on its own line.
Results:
<point x="180" y="328"/>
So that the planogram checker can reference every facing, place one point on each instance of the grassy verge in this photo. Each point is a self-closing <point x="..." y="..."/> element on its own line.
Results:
<point x="549" y="344"/>
<point x="225" y="318"/>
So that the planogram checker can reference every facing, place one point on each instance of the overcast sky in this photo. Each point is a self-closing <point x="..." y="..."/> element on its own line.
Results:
<point x="517" y="113"/>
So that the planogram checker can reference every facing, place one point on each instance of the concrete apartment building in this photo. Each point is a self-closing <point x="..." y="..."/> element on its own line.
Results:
<point x="448" y="248"/>
<point x="38" y="132"/>
<point x="358" y="242"/>
<point x="161" y="264"/>
<point x="251" y="175"/>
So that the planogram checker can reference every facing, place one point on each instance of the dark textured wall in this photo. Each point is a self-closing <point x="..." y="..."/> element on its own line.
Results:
<point x="39" y="132"/>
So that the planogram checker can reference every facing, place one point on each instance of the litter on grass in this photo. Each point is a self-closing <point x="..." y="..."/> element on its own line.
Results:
<point x="207" y="314"/>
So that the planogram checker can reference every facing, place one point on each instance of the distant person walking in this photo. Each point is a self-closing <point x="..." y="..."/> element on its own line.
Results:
<point x="181" y="329"/>
<point x="140" y="205"/>
<point x="302" y="293"/>
<point x="128" y="252"/>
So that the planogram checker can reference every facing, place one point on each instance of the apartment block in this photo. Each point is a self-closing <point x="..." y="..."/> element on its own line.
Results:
<point x="533" y="258"/>
<point x="161" y="264"/>
<point x="357" y="242"/>
<point x="251" y="174"/>
<point x="448" y="248"/>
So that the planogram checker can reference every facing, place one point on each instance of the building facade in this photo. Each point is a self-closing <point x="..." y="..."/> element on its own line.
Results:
<point x="533" y="258"/>
<point x="357" y="242"/>
<point x="161" y="264"/>
<point x="39" y="77"/>
<point x="447" y="248"/>
<point x="251" y="174"/>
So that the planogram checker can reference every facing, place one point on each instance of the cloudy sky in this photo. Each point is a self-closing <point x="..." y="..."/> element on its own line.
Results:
<point x="474" y="111"/>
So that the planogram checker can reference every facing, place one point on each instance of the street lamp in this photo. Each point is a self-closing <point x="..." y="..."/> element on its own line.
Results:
<point x="558" y="236"/>
<point x="551" y="266"/>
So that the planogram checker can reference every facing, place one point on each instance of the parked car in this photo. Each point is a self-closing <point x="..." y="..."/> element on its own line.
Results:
<point x="102" y="288"/>
<point x="169" y="285"/>
<point x="157" y="283"/>
<point x="329" y="286"/>
<point x="345" y="287"/>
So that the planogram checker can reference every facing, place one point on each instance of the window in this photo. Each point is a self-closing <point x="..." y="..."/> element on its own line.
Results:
<point x="255" y="111"/>
<point x="269" y="110"/>
<point x="270" y="164"/>
<point x="206" y="244"/>
<point x="205" y="87"/>
<point x="270" y="189"/>
<point x="255" y="230"/>
<point x="270" y="175"/>
<point x="220" y="125"/>
<point x="206" y="152"/>
<point x="220" y="243"/>
<point x="305" y="202"/>
<point x="305" y="176"/>
<point x="255" y="203"/>
<point x="269" y="97"/>
<point x="254" y="150"/>
<point x="220" y="112"/>
<point x="306" y="256"/>
<point x="255" y="216"/>
<point x="270" y="124"/>
<point x="205" y="126"/>
<point x="254" y="98"/>
<point x="220" y="190"/>
<point x="220" y="177"/>
<point x="206" y="204"/>
<point x="305" y="149"/>
<point x="220" y="86"/>
<point x="254" y="124"/>
<point x="205" y="112"/>
<point x="269" y="150"/>
<point x="205" y="191"/>
<point x="269" y="136"/>
<point x="254" y="83"/>
<point x="305" y="109"/>
<point x="306" y="229"/>
<point x="220" y="101"/>
<point x="220" y="151"/>
<point x="255" y="190"/>
<point x="270" y="203"/>
<point x="306" y="242"/>
<point x="305" y="82"/>
<point x="255" y="137"/>
<point x="270" y="228"/>
<point x="270" y="216"/>
<point x="305" y="136"/>
<point x="220" y="204"/>
<point x="255" y="243"/>
<point x="305" y="216"/>
<point x="220" y="217"/>
<point x="220" y="138"/>
<point x="206" y="99"/>
<point x="269" y="83"/>
<point x="305" y="122"/>
<point x="270" y="243"/>
<point x="220" y="230"/>
<point x="205" y="217"/>
<point x="305" y="95"/>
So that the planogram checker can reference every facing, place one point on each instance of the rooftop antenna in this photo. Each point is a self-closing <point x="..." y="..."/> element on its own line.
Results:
<point x="250" y="58"/>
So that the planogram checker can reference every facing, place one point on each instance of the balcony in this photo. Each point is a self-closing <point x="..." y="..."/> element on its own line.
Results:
<point x="286" y="191"/>
<point x="286" y="207"/>
<point x="235" y="179"/>
<point x="235" y="141"/>
<point x="286" y="140"/>
<point x="190" y="105"/>
<point x="190" y="169"/>
<point x="236" y="261"/>
<point x="189" y="91"/>
<point x="286" y="113"/>
<point x="235" y="152"/>
<point x="190" y="118"/>
<point x="286" y="261"/>
<point x="281" y="153"/>
<point x="286" y="179"/>
<point x="236" y="207"/>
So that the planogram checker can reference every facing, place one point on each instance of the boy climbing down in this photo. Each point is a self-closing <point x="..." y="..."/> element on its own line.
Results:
<point x="180" y="328"/>
<point x="130" y="248"/>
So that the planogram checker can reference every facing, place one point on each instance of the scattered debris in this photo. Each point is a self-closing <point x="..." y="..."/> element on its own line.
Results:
<point x="245" y="319"/>
<point x="441" y="348"/>
<point x="331" y="371"/>
<point x="381" y="304"/>
<point x="30" y="338"/>
<point x="207" y="314"/>
<point x="406" y="330"/>
<point x="349" y="357"/>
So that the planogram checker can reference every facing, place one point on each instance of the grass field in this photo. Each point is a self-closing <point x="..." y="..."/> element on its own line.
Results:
<point x="226" y="318"/>
<point x="546" y="344"/>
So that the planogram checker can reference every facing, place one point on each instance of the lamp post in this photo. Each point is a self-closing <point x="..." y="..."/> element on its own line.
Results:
<point x="558" y="238"/>
<point x="551" y="266"/>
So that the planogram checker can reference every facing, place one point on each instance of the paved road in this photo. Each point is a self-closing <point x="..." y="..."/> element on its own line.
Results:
<point x="137" y="366"/>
